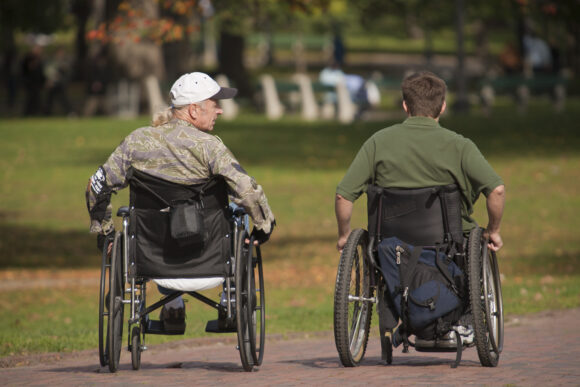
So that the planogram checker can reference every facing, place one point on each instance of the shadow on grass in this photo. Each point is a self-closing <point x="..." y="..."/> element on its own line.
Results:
<point x="565" y="263"/>
<point x="22" y="247"/>
<point x="291" y="143"/>
<point x="283" y="242"/>
<point x="331" y="145"/>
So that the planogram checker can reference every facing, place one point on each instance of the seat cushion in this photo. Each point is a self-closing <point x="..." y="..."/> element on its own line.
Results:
<point x="189" y="284"/>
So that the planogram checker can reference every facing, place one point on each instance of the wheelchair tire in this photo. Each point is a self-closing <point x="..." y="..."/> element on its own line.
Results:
<point x="353" y="300"/>
<point x="104" y="307"/>
<point x="486" y="299"/>
<point x="116" y="305"/>
<point x="242" y="314"/>
<point x="246" y="304"/>
<point x="136" y="347"/>
<point x="256" y="309"/>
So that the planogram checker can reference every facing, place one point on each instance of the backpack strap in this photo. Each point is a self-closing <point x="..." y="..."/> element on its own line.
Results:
<point x="445" y="271"/>
<point x="405" y="277"/>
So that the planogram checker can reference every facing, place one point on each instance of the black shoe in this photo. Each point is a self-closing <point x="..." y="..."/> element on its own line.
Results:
<point x="395" y="336"/>
<point x="173" y="319"/>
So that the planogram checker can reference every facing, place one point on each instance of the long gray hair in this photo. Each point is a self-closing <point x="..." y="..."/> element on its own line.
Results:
<point x="163" y="116"/>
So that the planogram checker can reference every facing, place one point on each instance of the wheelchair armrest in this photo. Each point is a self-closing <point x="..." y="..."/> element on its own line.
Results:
<point x="123" y="211"/>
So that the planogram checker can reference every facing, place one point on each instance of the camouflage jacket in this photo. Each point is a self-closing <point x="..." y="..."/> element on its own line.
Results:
<point x="180" y="153"/>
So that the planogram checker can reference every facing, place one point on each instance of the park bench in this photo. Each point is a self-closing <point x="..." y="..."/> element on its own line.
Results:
<point x="299" y="91"/>
<point x="521" y="88"/>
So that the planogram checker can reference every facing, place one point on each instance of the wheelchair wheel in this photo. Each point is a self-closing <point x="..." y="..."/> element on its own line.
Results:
<point x="353" y="298"/>
<point x="116" y="306"/>
<point x="250" y="307"/>
<point x="104" y="307"/>
<point x="486" y="299"/>
<point x="136" y="347"/>
<point x="257" y="306"/>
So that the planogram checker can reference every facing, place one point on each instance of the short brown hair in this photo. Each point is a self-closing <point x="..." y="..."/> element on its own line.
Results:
<point x="424" y="94"/>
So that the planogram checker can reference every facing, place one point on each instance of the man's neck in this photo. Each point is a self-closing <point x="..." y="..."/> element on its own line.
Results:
<point x="433" y="118"/>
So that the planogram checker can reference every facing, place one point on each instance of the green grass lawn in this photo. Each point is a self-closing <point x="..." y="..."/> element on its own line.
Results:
<point x="45" y="165"/>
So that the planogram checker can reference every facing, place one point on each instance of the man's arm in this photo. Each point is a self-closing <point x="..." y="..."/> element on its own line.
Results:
<point x="98" y="198"/>
<point x="495" y="204"/>
<point x="343" y="211"/>
<point x="244" y="190"/>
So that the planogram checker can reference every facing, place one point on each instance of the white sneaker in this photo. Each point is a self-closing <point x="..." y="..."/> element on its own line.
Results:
<point x="448" y="340"/>
<point x="466" y="333"/>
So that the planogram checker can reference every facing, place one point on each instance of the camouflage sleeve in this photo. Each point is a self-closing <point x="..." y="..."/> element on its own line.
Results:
<point x="109" y="178"/>
<point x="245" y="191"/>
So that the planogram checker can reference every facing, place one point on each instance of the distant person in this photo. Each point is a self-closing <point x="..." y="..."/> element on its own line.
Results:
<point x="537" y="54"/>
<point x="556" y="57"/>
<point x="10" y="74"/>
<point x="338" y="49"/>
<point x="97" y="84"/>
<point x="357" y="86"/>
<point x="331" y="75"/>
<point x="58" y="73"/>
<point x="33" y="79"/>
<point x="510" y="59"/>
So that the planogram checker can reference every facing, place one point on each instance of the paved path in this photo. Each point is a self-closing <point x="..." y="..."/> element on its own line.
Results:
<point x="541" y="350"/>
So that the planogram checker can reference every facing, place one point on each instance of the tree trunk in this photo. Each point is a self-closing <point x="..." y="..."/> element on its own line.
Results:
<point x="176" y="59"/>
<point x="461" y="101"/>
<point x="8" y="66"/>
<point x="81" y="10"/>
<point x="231" y="62"/>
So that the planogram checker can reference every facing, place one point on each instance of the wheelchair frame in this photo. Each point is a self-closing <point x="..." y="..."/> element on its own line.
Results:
<point x="118" y="288"/>
<point x="360" y="285"/>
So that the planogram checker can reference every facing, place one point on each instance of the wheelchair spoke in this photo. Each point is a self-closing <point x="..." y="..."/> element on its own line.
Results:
<point x="358" y="333"/>
<point x="353" y="301"/>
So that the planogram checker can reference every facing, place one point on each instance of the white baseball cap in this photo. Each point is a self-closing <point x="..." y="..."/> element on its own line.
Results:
<point x="196" y="87"/>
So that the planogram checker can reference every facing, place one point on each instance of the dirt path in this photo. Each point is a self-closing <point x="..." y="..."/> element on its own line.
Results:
<point x="541" y="349"/>
<point x="47" y="278"/>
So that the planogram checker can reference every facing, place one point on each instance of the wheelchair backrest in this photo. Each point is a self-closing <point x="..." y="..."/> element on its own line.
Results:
<point x="427" y="216"/>
<point x="155" y="254"/>
<point x="151" y="192"/>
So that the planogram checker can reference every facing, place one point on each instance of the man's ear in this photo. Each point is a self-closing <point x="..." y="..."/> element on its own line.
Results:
<point x="192" y="110"/>
<point x="405" y="108"/>
<point x="443" y="107"/>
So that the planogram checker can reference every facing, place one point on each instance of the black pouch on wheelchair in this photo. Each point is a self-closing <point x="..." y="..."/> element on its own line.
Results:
<point x="422" y="283"/>
<point x="187" y="223"/>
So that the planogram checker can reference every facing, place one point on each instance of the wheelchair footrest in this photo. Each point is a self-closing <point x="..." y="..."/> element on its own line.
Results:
<point x="217" y="326"/>
<point x="435" y="349"/>
<point x="154" y="327"/>
<point x="436" y="345"/>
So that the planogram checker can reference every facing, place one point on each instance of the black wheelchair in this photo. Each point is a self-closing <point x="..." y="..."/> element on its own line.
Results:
<point x="429" y="217"/>
<point x="144" y="250"/>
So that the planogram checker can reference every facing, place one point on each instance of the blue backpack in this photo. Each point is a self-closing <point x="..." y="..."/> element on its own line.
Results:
<point x="424" y="287"/>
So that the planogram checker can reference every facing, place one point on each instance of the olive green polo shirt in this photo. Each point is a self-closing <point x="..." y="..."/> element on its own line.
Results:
<point x="421" y="153"/>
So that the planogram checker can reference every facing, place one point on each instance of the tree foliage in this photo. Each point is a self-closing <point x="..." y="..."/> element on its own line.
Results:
<point x="173" y="20"/>
<point x="38" y="16"/>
